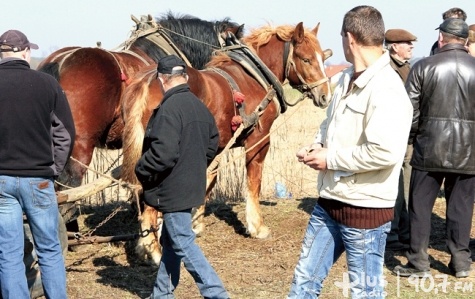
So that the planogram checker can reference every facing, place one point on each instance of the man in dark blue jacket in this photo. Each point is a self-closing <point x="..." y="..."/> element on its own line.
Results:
<point x="36" y="138"/>
<point x="180" y="140"/>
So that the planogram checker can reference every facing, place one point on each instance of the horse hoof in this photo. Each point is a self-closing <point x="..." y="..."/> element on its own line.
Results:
<point x="198" y="229"/>
<point x="263" y="233"/>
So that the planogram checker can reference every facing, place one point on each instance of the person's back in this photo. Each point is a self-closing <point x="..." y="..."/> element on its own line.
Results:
<point x="27" y="106"/>
<point x="185" y="165"/>
<point x="447" y="105"/>
<point x="37" y="133"/>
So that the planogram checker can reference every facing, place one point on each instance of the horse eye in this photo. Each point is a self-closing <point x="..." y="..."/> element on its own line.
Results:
<point x="306" y="60"/>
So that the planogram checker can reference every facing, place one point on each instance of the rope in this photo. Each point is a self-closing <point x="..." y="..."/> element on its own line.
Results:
<point x="215" y="171"/>
<point x="190" y="38"/>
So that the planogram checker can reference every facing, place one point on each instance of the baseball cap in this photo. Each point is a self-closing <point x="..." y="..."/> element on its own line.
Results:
<point x="167" y="63"/>
<point x="16" y="40"/>
<point x="456" y="27"/>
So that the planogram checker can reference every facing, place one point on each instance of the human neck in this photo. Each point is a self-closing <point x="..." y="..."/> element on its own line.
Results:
<point x="366" y="56"/>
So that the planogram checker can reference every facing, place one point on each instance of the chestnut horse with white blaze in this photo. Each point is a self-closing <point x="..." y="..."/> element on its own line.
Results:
<point x="230" y="88"/>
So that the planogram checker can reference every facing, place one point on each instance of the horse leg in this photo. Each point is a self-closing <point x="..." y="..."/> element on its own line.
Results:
<point x="148" y="243"/>
<point x="197" y="222"/>
<point x="73" y="172"/>
<point x="199" y="213"/>
<point x="255" y="164"/>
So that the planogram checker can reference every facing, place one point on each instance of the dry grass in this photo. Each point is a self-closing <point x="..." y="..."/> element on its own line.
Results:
<point x="292" y="130"/>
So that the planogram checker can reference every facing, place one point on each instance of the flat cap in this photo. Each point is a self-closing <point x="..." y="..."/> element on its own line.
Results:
<point x="456" y="27"/>
<point x="399" y="35"/>
<point x="167" y="64"/>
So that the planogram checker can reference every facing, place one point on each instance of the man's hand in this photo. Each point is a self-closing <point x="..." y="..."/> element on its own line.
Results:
<point x="314" y="156"/>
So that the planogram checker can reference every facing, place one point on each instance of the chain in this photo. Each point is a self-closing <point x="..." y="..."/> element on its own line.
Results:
<point x="119" y="208"/>
<point x="146" y="232"/>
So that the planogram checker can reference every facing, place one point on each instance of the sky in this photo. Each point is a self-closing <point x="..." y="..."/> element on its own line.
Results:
<point x="54" y="24"/>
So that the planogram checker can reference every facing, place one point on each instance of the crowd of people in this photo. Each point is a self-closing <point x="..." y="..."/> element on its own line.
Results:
<point x="394" y="135"/>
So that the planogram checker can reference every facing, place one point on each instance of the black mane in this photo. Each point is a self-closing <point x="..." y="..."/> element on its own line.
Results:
<point x="196" y="38"/>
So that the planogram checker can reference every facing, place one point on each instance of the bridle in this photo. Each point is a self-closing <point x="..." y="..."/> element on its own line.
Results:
<point x="289" y="64"/>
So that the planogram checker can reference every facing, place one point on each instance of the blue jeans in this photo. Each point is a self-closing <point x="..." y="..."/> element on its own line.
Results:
<point x="178" y="243"/>
<point x="324" y="242"/>
<point x="36" y="198"/>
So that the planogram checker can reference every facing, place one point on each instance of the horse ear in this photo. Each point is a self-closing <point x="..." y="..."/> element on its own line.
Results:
<point x="299" y="33"/>
<point x="327" y="54"/>
<point x="240" y="32"/>
<point x="315" y="30"/>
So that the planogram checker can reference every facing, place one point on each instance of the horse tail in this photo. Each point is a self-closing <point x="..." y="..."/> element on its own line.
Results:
<point x="134" y="102"/>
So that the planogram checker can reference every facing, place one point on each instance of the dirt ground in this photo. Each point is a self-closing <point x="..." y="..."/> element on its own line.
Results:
<point x="249" y="268"/>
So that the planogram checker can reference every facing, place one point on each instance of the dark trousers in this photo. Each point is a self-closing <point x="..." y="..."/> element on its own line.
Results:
<point x="459" y="195"/>
<point x="400" y="224"/>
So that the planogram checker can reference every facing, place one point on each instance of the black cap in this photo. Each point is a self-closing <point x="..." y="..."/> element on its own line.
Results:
<point x="16" y="40"/>
<point x="167" y="63"/>
<point x="457" y="27"/>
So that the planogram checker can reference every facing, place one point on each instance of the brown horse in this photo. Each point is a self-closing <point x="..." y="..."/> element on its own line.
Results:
<point x="94" y="78"/>
<point x="290" y="53"/>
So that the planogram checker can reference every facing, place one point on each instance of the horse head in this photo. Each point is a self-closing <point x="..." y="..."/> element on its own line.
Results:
<point x="304" y="65"/>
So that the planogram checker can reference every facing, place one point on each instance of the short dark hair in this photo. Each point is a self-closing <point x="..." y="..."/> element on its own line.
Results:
<point x="456" y="13"/>
<point x="450" y="38"/>
<point x="366" y="24"/>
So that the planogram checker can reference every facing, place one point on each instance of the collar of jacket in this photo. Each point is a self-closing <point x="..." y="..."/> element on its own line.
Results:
<point x="398" y="62"/>
<point x="14" y="60"/>
<point x="372" y="70"/>
<point x="451" y="47"/>
<point x="177" y="89"/>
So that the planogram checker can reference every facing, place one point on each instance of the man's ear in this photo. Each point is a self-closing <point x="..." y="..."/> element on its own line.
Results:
<point x="393" y="47"/>
<point x="351" y="38"/>
<point x="440" y="40"/>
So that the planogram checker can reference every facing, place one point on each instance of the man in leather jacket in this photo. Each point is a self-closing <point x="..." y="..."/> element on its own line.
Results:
<point x="453" y="12"/>
<point x="442" y="90"/>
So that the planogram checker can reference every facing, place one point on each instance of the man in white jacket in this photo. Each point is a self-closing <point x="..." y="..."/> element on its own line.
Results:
<point x="358" y="152"/>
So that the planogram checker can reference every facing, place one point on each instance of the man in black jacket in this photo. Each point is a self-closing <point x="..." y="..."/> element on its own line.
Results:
<point x="180" y="140"/>
<point x="36" y="138"/>
<point x="442" y="88"/>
